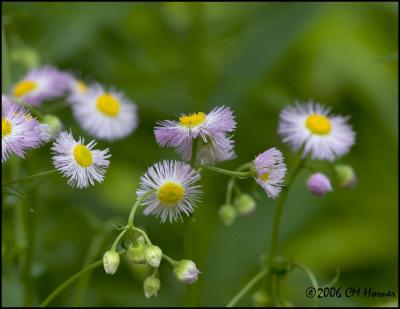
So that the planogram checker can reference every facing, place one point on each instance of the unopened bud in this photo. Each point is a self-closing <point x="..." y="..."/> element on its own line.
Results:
<point x="227" y="214"/>
<point x="110" y="262"/>
<point x="186" y="271"/>
<point x="245" y="204"/>
<point x="318" y="184"/>
<point x="345" y="176"/>
<point x="137" y="252"/>
<point x="260" y="299"/>
<point x="153" y="255"/>
<point x="151" y="286"/>
<point x="54" y="124"/>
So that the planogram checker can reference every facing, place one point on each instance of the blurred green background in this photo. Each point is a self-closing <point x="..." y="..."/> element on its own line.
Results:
<point x="187" y="57"/>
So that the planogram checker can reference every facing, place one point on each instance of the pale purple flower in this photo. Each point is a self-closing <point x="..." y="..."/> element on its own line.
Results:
<point x="271" y="171"/>
<point x="80" y="163"/>
<point x="209" y="128"/>
<point x="19" y="130"/>
<point x="107" y="115"/>
<point x="186" y="271"/>
<point x="78" y="90"/>
<point x="324" y="136"/>
<point x="41" y="84"/>
<point x="318" y="184"/>
<point x="173" y="188"/>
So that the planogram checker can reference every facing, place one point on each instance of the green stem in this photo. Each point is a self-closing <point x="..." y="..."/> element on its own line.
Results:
<point x="228" y="172"/>
<point x="117" y="240"/>
<point x="247" y="288"/>
<point x="135" y="206"/>
<point x="169" y="260"/>
<point x="312" y="278"/>
<point x="71" y="280"/>
<point x="143" y="233"/>
<point x="30" y="177"/>
<point x="195" y="147"/>
<point x="6" y="70"/>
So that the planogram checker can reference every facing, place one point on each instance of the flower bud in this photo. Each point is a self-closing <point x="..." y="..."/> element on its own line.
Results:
<point x="110" y="262"/>
<point x="345" y="176"/>
<point x="186" y="271"/>
<point x="318" y="184"/>
<point x="260" y="299"/>
<point x="245" y="204"/>
<point x="151" y="286"/>
<point x="54" y="124"/>
<point x="227" y="214"/>
<point x="153" y="255"/>
<point x="137" y="252"/>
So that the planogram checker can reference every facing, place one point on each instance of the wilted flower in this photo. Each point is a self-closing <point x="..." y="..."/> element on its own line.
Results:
<point x="79" y="162"/>
<point x="110" y="262"/>
<point x="153" y="255"/>
<point x="318" y="184"/>
<point x="271" y="171"/>
<point x="175" y="192"/>
<point x="41" y="84"/>
<point x="186" y="271"/>
<point x="324" y="136"/>
<point x="151" y="286"/>
<point x="107" y="115"/>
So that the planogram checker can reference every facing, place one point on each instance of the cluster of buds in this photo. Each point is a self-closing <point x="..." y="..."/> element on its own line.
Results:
<point x="243" y="205"/>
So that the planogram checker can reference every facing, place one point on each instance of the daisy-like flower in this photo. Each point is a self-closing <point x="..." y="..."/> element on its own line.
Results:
<point x="41" y="84"/>
<point x="217" y="149"/>
<point x="271" y="171"/>
<point x="324" y="136"/>
<point x="77" y="89"/>
<point x="211" y="128"/>
<point x="107" y="115"/>
<point x="173" y="187"/>
<point x="82" y="165"/>
<point x="19" y="130"/>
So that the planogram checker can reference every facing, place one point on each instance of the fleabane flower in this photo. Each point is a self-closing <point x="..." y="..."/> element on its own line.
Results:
<point x="271" y="171"/>
<point x="209" y="128"/>
<point x="41" y="84"/>
<point x="19" y="130"/>
<point x="77" y="89"/>
<point x="173" y="188"/>
<point x="80" y="163"/>
<point x="107" y="115"/>
<point x="186" y="271"/>
<point x="324" y="136"/>
<point x="318" y="184"/>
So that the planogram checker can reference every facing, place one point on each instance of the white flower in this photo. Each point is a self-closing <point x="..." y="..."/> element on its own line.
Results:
<point x="174" y="190"/>
<point x="79" y="162"/>
<point x="107" y="115"/>
<point x="324" y="136"/>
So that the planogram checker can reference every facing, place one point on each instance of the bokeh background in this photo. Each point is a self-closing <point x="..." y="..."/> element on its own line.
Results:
<point x="187" y="57"/>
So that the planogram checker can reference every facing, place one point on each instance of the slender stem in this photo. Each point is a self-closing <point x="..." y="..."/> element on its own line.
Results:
<point x="247" y="288"/>
<point x="195" y="147"/>
<point x="135" y="206"/>
<point x="170" y="260"/>
<point x="6" y="70"/>
<point x="71" y="280"/>
<point x="117" y="240"/>
<point x="230" y="186"/>
<point x="143" y="233"/>
<point x="228" y="172"/>
<point x="30" y="177"/>
<point x="312" y="278"/>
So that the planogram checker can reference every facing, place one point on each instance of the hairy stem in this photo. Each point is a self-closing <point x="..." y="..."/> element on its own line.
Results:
<point x="229" y="172"/>
<point x="30" y="177"/>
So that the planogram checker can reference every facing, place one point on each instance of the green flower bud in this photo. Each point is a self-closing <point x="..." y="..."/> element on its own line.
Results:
<point x="151" y="286"/>
<point x="137" y="252"/>
<point x="245" y="204"/>
<point x="227" y="214"/>
<point x="345" y="176"/>
<point x="260" y="299"/>
<point x="110" y="262"/>
<point x="186" y="271"/>
<point x="53" y="122"/>
<point x="153" y="255"/>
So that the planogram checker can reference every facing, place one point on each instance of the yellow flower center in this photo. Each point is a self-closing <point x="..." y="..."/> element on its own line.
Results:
<point x="5" y="127"/>
<point x="170" y="193"/>
<point x="192" y="120"/>
<point x="24" y="87"/>
<point x="318" y="124"/>
<point x="81" y="86"/>
<point x="83" y="155"/>
<point x="108" y="105"/>
<point x="264" y="177"/>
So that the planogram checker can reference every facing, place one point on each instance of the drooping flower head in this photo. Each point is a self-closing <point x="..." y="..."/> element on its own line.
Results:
<point x="271" y="171"/>
<point x="19" y="130"/>
<point x="41" y="84"/>
<point x="186" y="271"/>
<point x="210" y="128"/>
<point x="318" y="184"/>
<point x="107" y="115"/>
<point x="80" y="163"/>
<point x="324" y="136"/>
<point x="174" y="190"/>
